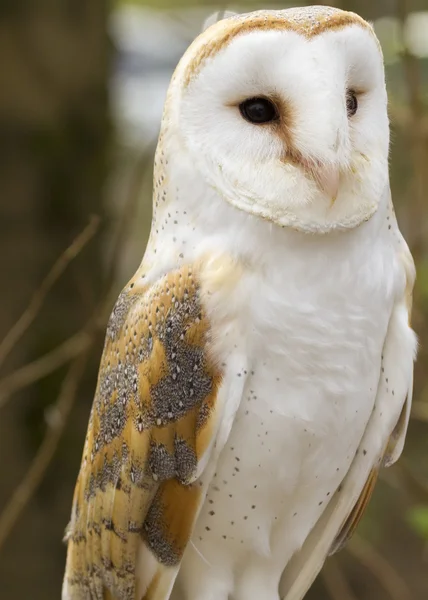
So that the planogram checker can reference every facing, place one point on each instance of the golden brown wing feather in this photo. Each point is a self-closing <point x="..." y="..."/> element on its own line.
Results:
<point x="152" y="420"/>
<point x="357" y="513"/>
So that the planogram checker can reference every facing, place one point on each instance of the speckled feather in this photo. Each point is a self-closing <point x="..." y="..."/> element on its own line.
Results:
<point x="149" y="426"/>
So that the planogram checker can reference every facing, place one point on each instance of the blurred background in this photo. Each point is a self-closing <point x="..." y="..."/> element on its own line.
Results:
<point x="83" y="87"/>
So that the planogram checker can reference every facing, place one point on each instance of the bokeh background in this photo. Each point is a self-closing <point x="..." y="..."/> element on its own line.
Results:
<point x="83" y="84"/>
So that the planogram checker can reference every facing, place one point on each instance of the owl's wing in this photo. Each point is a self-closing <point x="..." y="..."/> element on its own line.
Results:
<point x="380" y="446"/>
<point x="155" y="417"/>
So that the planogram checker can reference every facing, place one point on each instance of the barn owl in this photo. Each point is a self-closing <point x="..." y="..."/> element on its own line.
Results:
<point x="257" y="369"/>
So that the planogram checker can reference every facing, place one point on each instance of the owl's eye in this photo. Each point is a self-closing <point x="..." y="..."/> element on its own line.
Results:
<point x="258" y="110"/>
<point x="351" y="103"/>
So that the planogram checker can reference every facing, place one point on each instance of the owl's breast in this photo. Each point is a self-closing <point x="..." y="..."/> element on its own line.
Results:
<point x="314" y="348"/>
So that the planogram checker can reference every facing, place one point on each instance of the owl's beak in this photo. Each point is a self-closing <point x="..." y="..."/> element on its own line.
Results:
<point x="327" y="177"/>
<point x="328" y="180"/>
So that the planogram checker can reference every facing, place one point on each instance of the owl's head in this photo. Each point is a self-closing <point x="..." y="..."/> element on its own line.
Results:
<point x="284" y="114"/>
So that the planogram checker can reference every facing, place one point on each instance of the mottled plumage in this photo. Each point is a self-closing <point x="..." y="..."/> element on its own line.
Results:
<point x="150" y="426"/>
<point x="257" y="370"/>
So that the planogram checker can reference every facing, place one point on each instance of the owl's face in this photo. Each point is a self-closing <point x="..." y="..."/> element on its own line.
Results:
<point x="286" y="117"/>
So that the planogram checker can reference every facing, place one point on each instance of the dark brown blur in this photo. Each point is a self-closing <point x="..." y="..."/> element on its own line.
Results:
<point x="82" y="90"/>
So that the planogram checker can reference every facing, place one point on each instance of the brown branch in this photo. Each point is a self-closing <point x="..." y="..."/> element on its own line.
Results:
<point x="56" y="358"/>
<point x="30" y="313"/>
<point x="41" y="461"/>
<point x="380" y="568"/>
<point x="335" y="582"/>
<point x="79" y="346"/>
<point x="46" y="364"/>
<point x="57" y="417"/>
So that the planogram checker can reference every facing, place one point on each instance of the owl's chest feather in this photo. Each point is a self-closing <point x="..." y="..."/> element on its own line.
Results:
<point x="313" y="339"/>
<point x="312" y="376"/>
